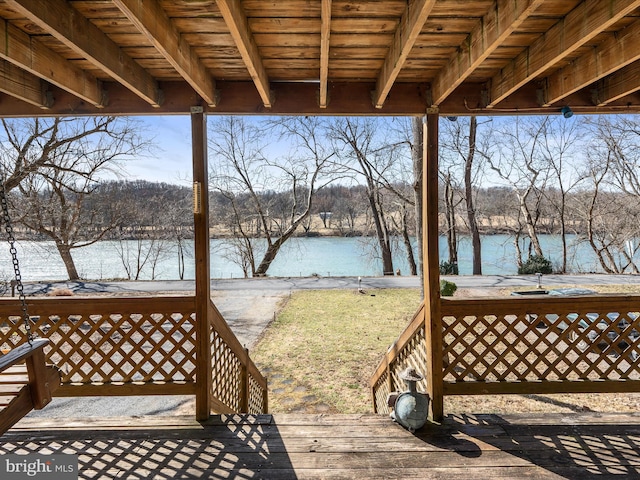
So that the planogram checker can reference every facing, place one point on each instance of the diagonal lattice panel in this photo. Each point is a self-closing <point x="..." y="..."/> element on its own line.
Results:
<point x="143" y="340"/>
<point x="529" y="341"/>
<point x="413" y="355"/>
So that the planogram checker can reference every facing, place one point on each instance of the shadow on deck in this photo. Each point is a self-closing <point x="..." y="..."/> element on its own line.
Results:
<point x="574" y="446"/>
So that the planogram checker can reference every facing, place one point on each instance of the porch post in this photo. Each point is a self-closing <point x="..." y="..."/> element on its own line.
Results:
<point x="431" y="265"/>
<point x="201" y="254"/>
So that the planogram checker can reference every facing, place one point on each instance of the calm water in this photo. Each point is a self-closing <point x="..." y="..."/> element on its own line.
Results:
<point x="299" y="257"/>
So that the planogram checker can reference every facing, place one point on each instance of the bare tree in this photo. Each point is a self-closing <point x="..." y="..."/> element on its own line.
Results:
<point x="611" y="204"/>
<point x="368" y="156"/>
<point x="241" y="168"/>
<point x="519" y="162"/>
<point x="558" y="147"/>
<point x="56" y="163"/>
<point x="416" y="142"/>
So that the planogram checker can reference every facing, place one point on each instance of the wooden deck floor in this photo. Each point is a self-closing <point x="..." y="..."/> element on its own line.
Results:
<point x="578" y="446"/>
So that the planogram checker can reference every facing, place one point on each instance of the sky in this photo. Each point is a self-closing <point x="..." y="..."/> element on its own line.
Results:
<point x="170" y="160"/>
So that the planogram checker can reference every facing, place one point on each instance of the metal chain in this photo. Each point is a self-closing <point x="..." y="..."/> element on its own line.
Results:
<point x="14" y="256"/>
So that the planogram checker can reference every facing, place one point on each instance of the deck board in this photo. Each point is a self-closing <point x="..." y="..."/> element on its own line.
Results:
<point x="579" y="446"/>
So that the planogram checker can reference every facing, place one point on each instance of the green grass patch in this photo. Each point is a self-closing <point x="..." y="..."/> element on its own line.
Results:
<point x="322" y="348"/>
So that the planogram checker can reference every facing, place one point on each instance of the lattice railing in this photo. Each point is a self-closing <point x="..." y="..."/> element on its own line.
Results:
<point x="112" y="346"/>
<point x="408" y="351"/>
<point x="547" y="345"/>
<point x="523" y="345"/>
<point x="136" y="346"/>
<point x="238" y="385"/>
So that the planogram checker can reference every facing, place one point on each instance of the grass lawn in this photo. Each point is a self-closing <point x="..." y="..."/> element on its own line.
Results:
<point x="322" y="348"/>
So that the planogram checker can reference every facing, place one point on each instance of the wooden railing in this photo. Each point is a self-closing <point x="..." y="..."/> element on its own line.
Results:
<point x="238" y="385"/>
<point x="409" y="350"/>
<point x="526" y="345"/>
<point x="132" y="346"/>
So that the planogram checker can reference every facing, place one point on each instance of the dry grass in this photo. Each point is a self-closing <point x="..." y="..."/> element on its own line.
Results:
<point x="324" y="345"/>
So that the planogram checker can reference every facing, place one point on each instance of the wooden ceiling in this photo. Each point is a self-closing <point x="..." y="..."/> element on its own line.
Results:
<point x="385" y="57"/>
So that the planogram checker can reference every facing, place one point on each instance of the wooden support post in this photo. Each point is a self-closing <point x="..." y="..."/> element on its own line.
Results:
<point x="431" y="264"/>
<point x="201" y="254"/>
<point x="244" y="383"/>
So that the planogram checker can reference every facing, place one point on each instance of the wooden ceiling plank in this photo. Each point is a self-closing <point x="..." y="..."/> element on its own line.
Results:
<point x="151" y="20"/>
<point x="577" y="28"/>
<point x="411" y="23"/>
<point x="65" y="23"/>
<point x="504" y="17"/>
<point x="618" y="85"/>
<point x="613" y="54"/>
<point x="31" y="55"/>
<point x="24" y="86"/>
<point x="238" y="25"/>
<point x="325" y="32"/>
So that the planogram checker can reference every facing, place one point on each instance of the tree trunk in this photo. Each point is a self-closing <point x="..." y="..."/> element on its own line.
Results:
<point x="452" y="233"/>
<point x="274" y="247"/>
<point x="407" y="242"/>
<point x="563" y="237"/>
<point x="471" y="211"/>
<point x="531" y="229"/>
<point x="269" y="256"/>
<point x="417" y="153"/>
<point x="65" y="254"/>
<point x="382" y="233"/>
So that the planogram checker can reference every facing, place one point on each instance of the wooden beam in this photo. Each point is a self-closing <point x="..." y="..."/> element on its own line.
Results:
<point x="24" y="86"/>
<point x="431" y="265"/>
<point x="504" y="17"/>
<point x="65" y="23"/>
<point x="618" y="85"/>
<point x="325" y="33"/>
<point x="347" y="98"/>
<point x="613" y="54"/>
<point x="31" y="55"/>
<point x="152" y="21"/>
<point x="236" y="20"/>
<point x="202" y="262"/>
<point x="411" y="23"/>
<point x="578" y="27"/>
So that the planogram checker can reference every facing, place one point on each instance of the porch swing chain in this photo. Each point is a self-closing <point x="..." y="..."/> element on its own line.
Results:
<point x="14" y="257"/>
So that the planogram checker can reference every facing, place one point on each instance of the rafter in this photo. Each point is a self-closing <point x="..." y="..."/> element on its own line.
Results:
<point x="64" y="22"/>
<point x="152" y="21"/>
<point x="238" y="26"/>
<point x="618" y="85"/>
<point x="613" y="54"/>
<point x="504" y="17"/>
<point x="31" y="55"/>
<point x="577" y="28"/>
<point x="411" y="23"/>
<point x="325" y="32"/>
<point x="24" y="86"/>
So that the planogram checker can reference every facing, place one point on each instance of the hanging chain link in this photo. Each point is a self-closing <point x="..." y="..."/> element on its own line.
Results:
<point x="14" y="257"/>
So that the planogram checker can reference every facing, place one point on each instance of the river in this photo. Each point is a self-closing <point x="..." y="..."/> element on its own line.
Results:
<point x="324" y="256"/>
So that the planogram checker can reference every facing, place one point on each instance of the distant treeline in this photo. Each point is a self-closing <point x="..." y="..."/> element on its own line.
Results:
<point x="144" y="208"/>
